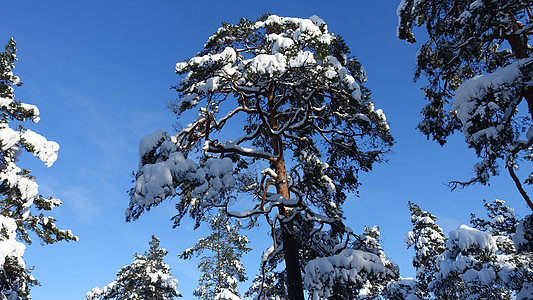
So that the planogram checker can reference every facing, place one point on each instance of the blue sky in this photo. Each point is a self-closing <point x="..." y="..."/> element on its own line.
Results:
<point x="100" y="73"/>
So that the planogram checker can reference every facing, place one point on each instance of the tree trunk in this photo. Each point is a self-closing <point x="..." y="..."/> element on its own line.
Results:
<point x="292" y="266"/>
<point x="290" y="245"/>
<point x="519" y="46"/>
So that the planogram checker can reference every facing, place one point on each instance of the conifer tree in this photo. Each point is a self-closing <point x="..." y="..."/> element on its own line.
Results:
<point x="429" y="242"/>
<point x="21" y="205"/>
<point x="502" y="220"/>
<point x="147" y="278"/>
<point x="470" y="268"/>
<point x="361" y="271"/>
<point x="477" y="54"/>
<point x="308" y="123"/>
<point x="220" y="263"/>
<point x="471" y="263"/>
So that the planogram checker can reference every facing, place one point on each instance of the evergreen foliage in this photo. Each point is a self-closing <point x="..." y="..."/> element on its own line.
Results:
<point x="477" y="54"/>
<point x="471" y="263"/>
<point x="428" y="241"/>
<point x="309" y="126"/>
<point x="147" y="278"/>
<point x="220" y="263"/>
<point x="21" y="206"/>
<point x="359" y="272"/>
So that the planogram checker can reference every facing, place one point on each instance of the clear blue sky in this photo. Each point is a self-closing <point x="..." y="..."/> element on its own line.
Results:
<point x="100" y="73"/>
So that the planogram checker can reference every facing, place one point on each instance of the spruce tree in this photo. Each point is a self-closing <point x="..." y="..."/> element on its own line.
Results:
<point x="147" y="278"/>
<point x="220" y="263"/>
<point x="479" y="66"/>
<point x="429" y="242"/>
<point x="470" y="268"/>
<point x="501" y="220"/>
<point x="361" y="271"/>
<point x="21" y="206"/>
<point x="308" y="127"/>
<point x="471" y="263"/>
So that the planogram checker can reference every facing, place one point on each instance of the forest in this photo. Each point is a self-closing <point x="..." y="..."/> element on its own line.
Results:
<point x="275" y="176"/>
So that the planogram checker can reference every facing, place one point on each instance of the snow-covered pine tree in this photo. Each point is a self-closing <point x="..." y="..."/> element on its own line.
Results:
<point x="308" y="123"/>
<point x="470" y="267"/>
<point x="477" y="54"/>
<point x="21" y="205"/>
<point x="502" y="223"/>
<point x="361" y="271"/>
<point x="220" y="263"/>
<point x="428" y="241"/>
<point x="147" y="278"/>
<point x="501" y="220"/>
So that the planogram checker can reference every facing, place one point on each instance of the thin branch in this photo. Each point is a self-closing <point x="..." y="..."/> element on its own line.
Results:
<point x="510" y="167"/>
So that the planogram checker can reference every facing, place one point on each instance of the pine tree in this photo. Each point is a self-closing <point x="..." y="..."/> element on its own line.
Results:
<point x="477" y="53"/>
<point x="309" y="125"/>
<point x="20" y="202"/>
<point x="221" y="266"/>
<point x="146" y="278"/>
<point x="429" y="242"/>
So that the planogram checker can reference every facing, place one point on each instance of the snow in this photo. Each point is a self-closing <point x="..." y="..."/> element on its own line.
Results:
<point x="228" y="55"/>
<point x="520" y="239"/>
<point x="156" y="181"/>
<point x="266" y="64"/>
<point x="401" y="7"/>
<point x="404" y="287"/>
<point x="485" y="276"/>
<point x="43" y="149"/>
<point x="307" y="30"/>
<point x="317" y="21"/>
<point x="280" y="42"/>
<point x="8" y="137"/>
<point x="466" y="237"/>
<point x="302" y="59"/>
<point x="349" y="267"/>
<point x="8" y="245"/>
<point x="226" y="294"/>
<point x="149" y="142"/>
<point x="154" y="184"/>
<point x="465" y="102"/>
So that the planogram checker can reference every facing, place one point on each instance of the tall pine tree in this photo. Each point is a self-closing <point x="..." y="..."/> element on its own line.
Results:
<point x="220" y="263"/>
<point x="308" y="127"/>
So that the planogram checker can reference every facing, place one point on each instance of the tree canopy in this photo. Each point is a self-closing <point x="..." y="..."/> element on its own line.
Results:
<point x="478" y="64"/>
<point x="21" y="205"/>
<point x="308" y="127"/>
